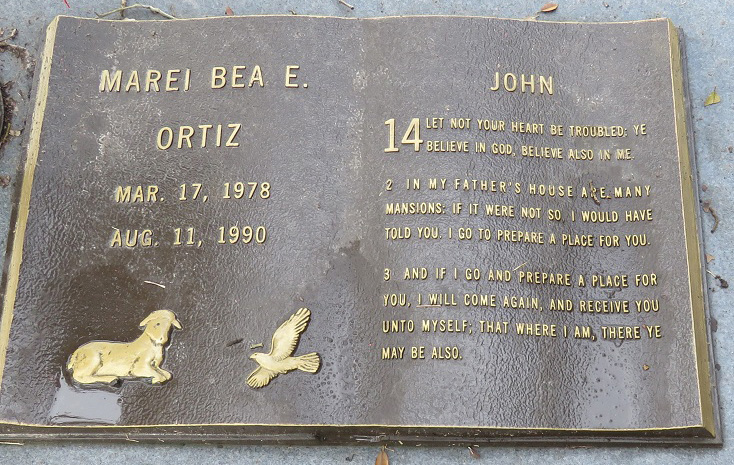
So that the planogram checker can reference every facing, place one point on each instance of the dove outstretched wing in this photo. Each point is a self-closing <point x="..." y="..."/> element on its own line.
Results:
<point x="260" y="377"/>
<point x="285" y="338"/>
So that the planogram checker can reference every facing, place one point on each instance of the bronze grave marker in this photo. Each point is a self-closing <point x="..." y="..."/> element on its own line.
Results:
<point x="310" y="229"/>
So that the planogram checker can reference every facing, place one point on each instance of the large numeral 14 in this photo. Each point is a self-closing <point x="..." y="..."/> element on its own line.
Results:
<point x="412" y="135"/>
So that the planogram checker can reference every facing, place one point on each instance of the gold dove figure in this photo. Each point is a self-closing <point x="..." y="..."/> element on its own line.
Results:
<point x="280" y="360"/>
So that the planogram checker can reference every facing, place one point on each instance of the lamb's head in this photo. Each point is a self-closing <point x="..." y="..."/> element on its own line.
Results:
<point x="158" y="325"/>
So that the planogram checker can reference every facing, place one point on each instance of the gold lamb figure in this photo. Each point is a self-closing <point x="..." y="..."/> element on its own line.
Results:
<point x="280" y="361"/>
<point x="106" y="362"/>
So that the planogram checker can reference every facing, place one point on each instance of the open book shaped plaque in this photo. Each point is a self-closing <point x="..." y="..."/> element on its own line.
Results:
<point x="312" y="229"/>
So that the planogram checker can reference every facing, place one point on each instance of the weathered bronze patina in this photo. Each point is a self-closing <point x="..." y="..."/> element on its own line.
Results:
<point x="301" y="229"/>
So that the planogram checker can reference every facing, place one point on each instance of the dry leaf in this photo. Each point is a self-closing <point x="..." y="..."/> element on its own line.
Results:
<point x="382" y="458"/>
<point x="712" y="99"/>
<point x="228" y="11"/>
<point x="474" y="453"/>
<point x="645" y="367"/>
<point x="704" y="187"/>
<point x="709" y="258"/>
<point x="548" y="7"/>
<point x="709" y="209"/>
